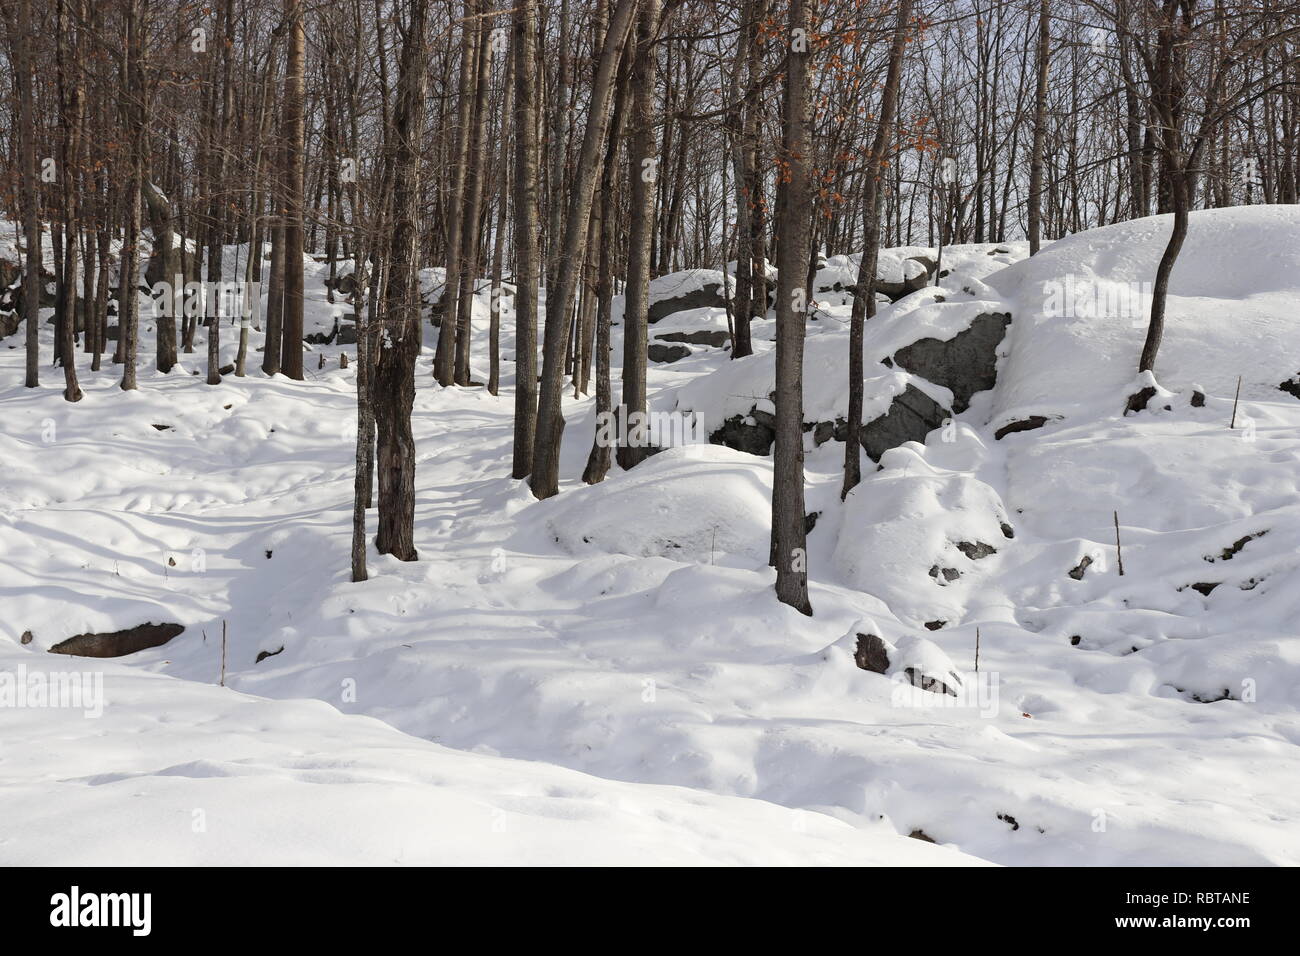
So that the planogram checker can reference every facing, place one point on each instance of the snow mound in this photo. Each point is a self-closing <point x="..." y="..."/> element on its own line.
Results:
<point x="705" y="504"/>
<point x="917" y="536"/>
<point x="1081" y="308"/>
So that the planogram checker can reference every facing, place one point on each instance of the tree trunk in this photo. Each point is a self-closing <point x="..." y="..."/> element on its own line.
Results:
<point x="72" y="104"/>
<point x="161" y="219"/>
<point x="641" y="225"/>
<point x="526" y="221"/>
<point x="499" y="234"/>
<point x="31" y="190"/>
<point x="545" y="477"/>
<point x="794" y="197"/>
<point x="444" y="366"/>
<point x="864" y="296"/>
<point x="601" y="455"/>
<point x="398" y="342"/>
<point x="129" y="273"/>
<point x="294" y="133"/>
<point x="474" y="176"/>
<point x="1040" y="129"/>
<point x="1160" y="289"/>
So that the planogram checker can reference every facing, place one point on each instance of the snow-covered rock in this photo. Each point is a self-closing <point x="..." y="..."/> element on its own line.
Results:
<point x="691" y="289"/>
<point x="700" y="503"/>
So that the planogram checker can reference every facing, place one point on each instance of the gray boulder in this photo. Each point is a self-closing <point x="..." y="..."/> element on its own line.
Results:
<point x="665" y="354"/>
<point x="680" y="291"/>
<point x="965" y="364"/>
<point x="718" y="338"/>
<point x="911" y="416"/>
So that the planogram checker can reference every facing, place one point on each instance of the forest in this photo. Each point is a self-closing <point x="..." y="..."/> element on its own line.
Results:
<point x="593" y="374"/>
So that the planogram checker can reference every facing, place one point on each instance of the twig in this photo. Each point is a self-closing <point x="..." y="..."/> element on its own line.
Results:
<point x="977" y="650"/>
<point x="1119" y="551"/>
<point x="223" y="652"/>
<point x="1233" y="424"/>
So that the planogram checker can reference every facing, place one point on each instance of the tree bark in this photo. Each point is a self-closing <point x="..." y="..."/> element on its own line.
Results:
<point x="1040" y="129"/>
<point x="294" y="133"/>
<point x="864" y="296"/>
<point x="642" y="164"/>
<point x="474" y="177"/>
<point x="128" y="309"/>
<point x="794" y="196"/>
<point x="545" y="477"/>
<point x="526" y="222"/>
<point x="31" y="190"/>
<point x="499" y="233"/>
<point x="399" y="334"/>
<point x="444" y="364"/>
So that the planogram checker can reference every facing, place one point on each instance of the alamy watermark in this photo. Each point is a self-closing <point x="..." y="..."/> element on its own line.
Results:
<point x="71" y="690"/>
<point x="621" y="429"/>
<point x="977" y="691"/>
<point x="227" y="299"/>
<point x="1079" y="297"/>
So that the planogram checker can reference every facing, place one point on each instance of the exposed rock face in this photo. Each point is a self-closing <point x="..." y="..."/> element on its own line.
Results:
<point x="118" y="643"/>
<point x="975" y="549"/>
<point x="897" y="290"/>
<point x="1230" y="552"/>
<point x="692" y="289"/>
<point x="664" y="354"/>
<point x="891" y="289"/>
<point x="1024" y="425"/>
<point x="919" y="660"/>
<point x="964" y="364"/>
<point x="871" y="654"/>
<point x="745" y="433"/>
<point x="715" y="337"/>
<point x="912" y="415"/>
<point x="343" y="333"/>
<point x="924" y="681"/>
<point x="680" y="291"/>
<point x="11" y="295"/>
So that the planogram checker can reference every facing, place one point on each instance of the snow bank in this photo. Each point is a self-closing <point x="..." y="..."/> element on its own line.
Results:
<point x="1082" y="304"/>
<point x="706" y="504"/>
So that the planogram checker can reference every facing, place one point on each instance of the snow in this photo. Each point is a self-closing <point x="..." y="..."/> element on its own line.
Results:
<point x="702" y="503"/>
<point x="183" y="773"/>
<point x="606" y="676"/>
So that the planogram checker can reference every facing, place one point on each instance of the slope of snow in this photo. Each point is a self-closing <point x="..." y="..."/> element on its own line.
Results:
<point x="575" y="679"/>
<point x="183" y="773"/>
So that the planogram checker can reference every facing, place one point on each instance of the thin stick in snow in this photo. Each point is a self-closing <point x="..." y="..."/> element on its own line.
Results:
<point x="977" y="650"/>
<point x="223" y="653"/>
<point x="1119" y="553"/>
<point x="1236" y="398"/>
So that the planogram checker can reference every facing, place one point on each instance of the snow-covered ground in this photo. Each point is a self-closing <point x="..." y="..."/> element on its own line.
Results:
<point x="606" y="676"/>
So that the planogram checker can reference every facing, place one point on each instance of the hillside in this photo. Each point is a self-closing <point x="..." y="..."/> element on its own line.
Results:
<point x="606" y="676"/>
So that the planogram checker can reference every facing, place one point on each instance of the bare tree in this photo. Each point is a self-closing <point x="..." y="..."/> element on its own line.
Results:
<point x="545" y="476"/>
<point x="794" y="195"/>
<point x="294" y="148"/>
<point x="864" y="296"/>
<point x="136" y="115"/>
<point x="526" y="222"/>
<point x="31" y="191"/>
<point x="397" y="341"/>
<point x="642" y="166"/>
<point x="1040" y="127"/>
